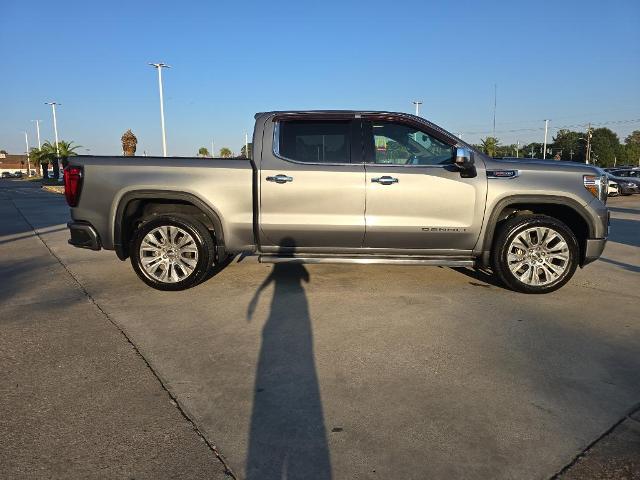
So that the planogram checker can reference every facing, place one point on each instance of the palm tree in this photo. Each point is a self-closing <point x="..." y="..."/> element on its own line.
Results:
<point x="203" y="152"/>
<point x="66" y="150"/>
<point x="490" y="145"/>
<point x="225" y="152"/>
<point x="53" y="156"/>
<point x="48" y="156"/>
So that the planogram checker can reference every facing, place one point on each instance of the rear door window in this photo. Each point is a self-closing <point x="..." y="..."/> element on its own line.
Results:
<point x="326" y="141"/>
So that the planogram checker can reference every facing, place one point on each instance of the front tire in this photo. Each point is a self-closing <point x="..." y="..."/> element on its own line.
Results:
<point x="535" y="254"/>
<point x="171" y="252"/>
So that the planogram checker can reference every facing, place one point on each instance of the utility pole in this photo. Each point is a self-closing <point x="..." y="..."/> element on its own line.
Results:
<point x="517" y="148"/>
<point x="159" y="67"/>
<point x="531" y="151"/>
<point x="37" y="122"/>
<point x="544" y="151"/>
<point x="417" y="103"/>
<point x="26" y="140"/>
<point x="588" y="154"/>
<point x="246" y="145"/>
<point x="571" y="154"/>
<point x="495" y="102"/>
<point x="213" y="152"/>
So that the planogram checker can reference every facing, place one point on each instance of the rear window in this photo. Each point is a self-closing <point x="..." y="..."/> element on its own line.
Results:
<point x="315" y="141"/>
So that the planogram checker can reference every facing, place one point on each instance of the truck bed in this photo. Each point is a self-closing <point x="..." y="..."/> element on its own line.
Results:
<point x="225" y="185"/>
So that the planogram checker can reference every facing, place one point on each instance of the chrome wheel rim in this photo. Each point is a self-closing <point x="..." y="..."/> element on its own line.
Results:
<point x="538" y="256"/>
<point x="168" y="254"/>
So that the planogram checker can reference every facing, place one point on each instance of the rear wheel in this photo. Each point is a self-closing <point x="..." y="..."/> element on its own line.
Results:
<point x="172" y="252"/>
<point x="535" y="254"/>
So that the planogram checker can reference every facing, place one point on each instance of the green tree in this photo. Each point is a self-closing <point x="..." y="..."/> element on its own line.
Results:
<point x="490" y="145"/>
<point x="243" y="153"/>
<point x="50" y="155"/>
<point x="225" y="152"/>
<point x="633" y="138"/>
<point x="568" y="141"/>
<point x="3" y="151"/>
<point x="203" y="152"/>
<point x="632" y="148"/>
<point x="605" y="147"/>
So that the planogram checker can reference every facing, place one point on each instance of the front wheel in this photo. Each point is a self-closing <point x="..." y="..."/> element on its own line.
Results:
<point x="535" y="254"/>
<point x="172" y="252"/>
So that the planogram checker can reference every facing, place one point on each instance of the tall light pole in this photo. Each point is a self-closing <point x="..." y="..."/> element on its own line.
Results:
<point x="417" y="103"/>
<point x="246" y="145"/>
<point x="26" y="140"/>
<point x="544" y="151"/>
<point x="55" y="124"/>
<point x="37" y="122"/>
<point x="159" y="67"/>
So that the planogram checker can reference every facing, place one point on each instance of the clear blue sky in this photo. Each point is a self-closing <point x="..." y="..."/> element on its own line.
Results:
<point x="570" y="61"/>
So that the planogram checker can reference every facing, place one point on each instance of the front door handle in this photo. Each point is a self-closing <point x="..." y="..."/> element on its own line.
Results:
<point x="386" y="180"/>
<point x="280" y="178"/>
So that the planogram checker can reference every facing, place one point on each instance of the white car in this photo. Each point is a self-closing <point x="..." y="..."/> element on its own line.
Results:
<point x="613" y="189"/>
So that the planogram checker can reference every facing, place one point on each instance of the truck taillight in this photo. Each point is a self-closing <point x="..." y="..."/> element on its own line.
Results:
<point x="72" y="184"/>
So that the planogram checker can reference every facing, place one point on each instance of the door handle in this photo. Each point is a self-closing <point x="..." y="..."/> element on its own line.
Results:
<point x="386" y="180"/>
<point x="280" y="178"/>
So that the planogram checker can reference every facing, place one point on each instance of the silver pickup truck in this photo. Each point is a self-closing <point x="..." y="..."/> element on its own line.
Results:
<point x="342" y="187"/>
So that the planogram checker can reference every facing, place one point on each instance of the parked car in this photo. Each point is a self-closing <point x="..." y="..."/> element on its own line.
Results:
<point x="342" y="187"/>
<point x="7" y="175"/>
<point x="627" y="173"/>
<point x="613" y="189"/>
<point x="627" y="185"/>
<point x="17" y="174"/>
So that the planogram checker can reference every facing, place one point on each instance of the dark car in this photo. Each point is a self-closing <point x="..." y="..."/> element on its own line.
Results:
<point x="626" y="173"/>
<point x="7" y="175"/>
<point x="626" y="186"/>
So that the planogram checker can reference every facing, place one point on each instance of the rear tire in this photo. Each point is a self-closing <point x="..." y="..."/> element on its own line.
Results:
<point x="172" y="252"/>
<point x="535" y="254"/>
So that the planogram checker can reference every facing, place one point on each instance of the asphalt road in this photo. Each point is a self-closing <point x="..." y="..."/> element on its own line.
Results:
<point x="329" y="371"/>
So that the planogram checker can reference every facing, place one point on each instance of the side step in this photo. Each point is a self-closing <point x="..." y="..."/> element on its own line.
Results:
<point x="366" y="260"/>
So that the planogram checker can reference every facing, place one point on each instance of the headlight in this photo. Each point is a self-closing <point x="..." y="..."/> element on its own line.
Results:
<point x="597" y="186"/>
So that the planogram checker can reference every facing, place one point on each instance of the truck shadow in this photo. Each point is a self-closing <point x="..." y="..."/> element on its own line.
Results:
<point x="287" y="437"/>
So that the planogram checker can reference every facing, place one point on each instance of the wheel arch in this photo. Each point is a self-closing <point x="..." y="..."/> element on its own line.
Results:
<point x="565" y="209"/>
<point x="137" y="204"/>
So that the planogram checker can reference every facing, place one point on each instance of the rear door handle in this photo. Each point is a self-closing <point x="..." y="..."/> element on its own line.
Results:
<point x="280" y="178"/>
<point x="386" y="180"/>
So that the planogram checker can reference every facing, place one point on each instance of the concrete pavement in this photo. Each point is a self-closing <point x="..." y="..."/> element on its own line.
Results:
<point x="77" y="399"/>
<point x="327" y="371"/>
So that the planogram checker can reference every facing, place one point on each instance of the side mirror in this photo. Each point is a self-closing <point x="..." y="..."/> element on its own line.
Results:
<point x="464" y="158"/>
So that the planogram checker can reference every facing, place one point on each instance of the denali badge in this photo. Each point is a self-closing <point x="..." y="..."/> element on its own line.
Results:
<point x="444" y="229"/>
<point x="502" y="173"/>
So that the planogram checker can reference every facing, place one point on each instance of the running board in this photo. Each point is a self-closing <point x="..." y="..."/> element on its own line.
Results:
<point x="399" y="260"/>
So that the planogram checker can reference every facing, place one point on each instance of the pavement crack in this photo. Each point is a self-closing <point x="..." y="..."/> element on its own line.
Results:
<point x="565" y="469"/>
<point x="227" y="469"/>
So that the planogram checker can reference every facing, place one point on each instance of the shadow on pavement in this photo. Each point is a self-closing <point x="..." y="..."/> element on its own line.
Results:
<point x="625" y="231"/>
<point x="626" y="266"/>
<point x="287" y="437"/>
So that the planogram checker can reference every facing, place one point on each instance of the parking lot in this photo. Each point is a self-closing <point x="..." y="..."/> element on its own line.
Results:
<point x="315" y="371"/>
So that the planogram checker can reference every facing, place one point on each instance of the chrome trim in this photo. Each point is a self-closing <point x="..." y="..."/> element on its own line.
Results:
<point x="384" y="180"/>
<point x="445" y="262"/>
<point x="280" y="178"/>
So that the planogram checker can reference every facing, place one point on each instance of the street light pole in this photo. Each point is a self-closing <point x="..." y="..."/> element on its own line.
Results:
<point x="55" y="125"/>
<point x="26" y="140"/>
<point x="37" y="122"/>
<point x="417" y="103"/>
<point x="246" y="145"/>
<point x="544" y="152"/>
<point x="159" y="67"/>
